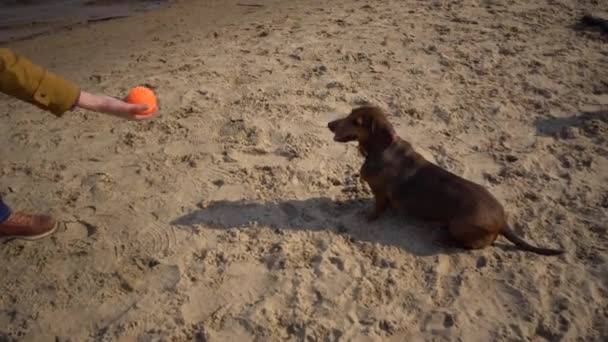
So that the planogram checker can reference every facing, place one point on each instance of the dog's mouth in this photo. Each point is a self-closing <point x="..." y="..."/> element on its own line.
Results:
<point x="344" y="138"/>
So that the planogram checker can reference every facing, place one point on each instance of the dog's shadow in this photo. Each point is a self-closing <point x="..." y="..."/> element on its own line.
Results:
<point x="317" y="214"/>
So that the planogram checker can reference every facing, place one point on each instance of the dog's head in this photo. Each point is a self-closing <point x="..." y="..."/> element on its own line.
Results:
<point x="368" y="125"/>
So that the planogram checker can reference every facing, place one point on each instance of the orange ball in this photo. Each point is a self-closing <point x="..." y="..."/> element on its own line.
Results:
<point x="143" y="95"/>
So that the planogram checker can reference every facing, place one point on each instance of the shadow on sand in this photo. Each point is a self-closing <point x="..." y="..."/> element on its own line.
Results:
<point x="316" y="214"/>
<point x="590" y="24"/>
<point x="591" y="124"/>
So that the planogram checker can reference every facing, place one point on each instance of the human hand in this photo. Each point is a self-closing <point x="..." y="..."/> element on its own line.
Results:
<point x="112" y="106"/>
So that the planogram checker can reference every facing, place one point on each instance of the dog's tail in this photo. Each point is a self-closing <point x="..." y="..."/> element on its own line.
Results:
<point x="508" y="233"/>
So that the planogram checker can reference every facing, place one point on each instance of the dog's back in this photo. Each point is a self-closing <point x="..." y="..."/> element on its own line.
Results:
<point x="426" y="191"/>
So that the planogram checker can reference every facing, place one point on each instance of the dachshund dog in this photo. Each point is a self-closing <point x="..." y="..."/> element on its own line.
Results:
<point x="402" y="179"/>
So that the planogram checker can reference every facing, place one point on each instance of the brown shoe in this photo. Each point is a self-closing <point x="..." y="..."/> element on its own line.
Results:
<point x="26" y="227"/>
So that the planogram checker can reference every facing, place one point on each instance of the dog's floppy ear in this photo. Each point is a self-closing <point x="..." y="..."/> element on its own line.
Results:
<point x="367" y="121"/>
<point x="380" y="130"/>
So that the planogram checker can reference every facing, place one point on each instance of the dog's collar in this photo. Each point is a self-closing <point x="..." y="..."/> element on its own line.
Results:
<point x="394" y="138"/>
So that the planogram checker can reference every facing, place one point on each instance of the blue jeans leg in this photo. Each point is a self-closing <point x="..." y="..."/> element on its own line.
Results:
<point x="5" y="211"/>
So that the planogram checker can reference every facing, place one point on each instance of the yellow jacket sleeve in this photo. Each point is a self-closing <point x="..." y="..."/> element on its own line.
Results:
<point x="21" y="78"/>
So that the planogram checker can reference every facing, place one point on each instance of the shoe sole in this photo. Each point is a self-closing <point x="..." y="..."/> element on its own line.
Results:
<point x="29" y="238"/>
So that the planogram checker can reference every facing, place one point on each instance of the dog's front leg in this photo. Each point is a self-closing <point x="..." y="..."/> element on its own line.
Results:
<point x="380" y="205"/>
<point x="371" y="174"/>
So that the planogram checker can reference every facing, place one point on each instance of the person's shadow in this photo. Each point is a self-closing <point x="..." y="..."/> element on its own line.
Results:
<point x="5" y="337"/>
<point x="591" y="124"/>
<point x="341" y="217"/>
<point x="590" y="23"/>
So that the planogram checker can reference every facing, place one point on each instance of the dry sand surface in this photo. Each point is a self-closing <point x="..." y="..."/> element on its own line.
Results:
<point x="234" y="216"/>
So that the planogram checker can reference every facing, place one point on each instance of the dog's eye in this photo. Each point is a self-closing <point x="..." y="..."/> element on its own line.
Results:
<point x="359" y="121"/>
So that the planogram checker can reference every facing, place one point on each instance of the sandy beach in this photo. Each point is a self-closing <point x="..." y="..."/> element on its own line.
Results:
<point x="234" y="216"/>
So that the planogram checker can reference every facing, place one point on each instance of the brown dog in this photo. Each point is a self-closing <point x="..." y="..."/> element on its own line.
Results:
<point x="402" y="179"/>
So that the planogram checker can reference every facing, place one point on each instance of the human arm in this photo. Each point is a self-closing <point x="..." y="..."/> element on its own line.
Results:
<point x="110" y="105"/>
<point x="21" y="78"/>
